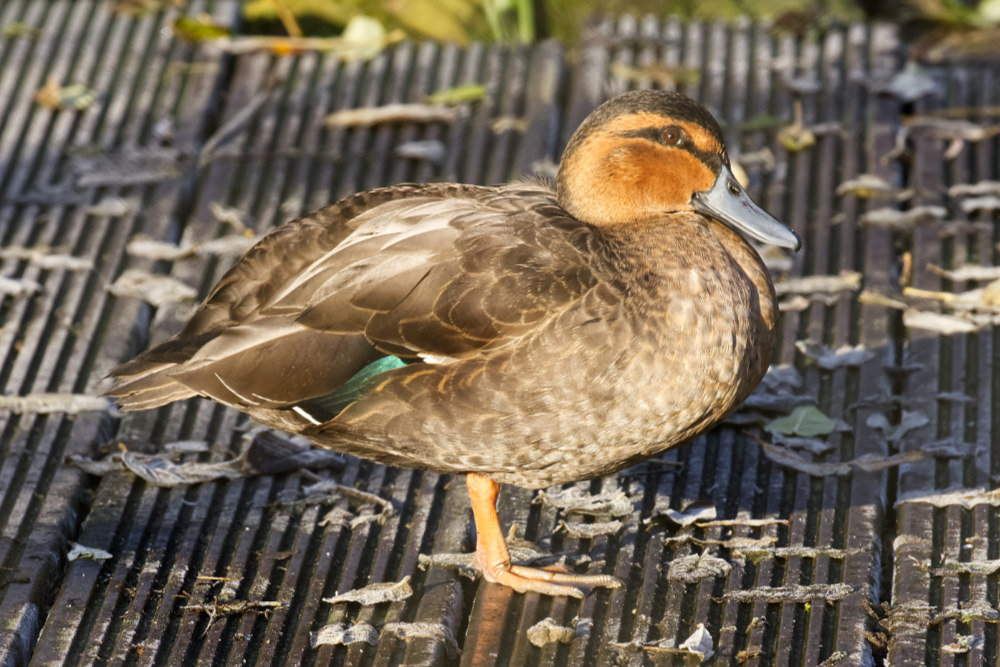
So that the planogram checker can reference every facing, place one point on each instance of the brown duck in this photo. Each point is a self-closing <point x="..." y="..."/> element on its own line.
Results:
<point x="518" y="334"/>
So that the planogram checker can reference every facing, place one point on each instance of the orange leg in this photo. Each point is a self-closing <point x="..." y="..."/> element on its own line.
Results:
<point x="493" y="559"/>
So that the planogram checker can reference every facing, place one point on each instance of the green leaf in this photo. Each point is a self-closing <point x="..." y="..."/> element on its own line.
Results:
<point x="199" y="29"/>
<point x="806" y="421"/>
<point x="470" y="92"/>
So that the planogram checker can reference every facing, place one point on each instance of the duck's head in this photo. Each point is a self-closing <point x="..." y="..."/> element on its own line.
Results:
<point x="646" y="153"/>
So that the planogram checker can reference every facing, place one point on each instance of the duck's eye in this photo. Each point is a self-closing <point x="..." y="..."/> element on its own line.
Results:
<point x="672" y="136"/>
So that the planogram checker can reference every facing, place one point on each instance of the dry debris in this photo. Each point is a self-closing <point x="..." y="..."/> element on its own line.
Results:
<point x="588" y="531"/>
<point x="938" y="322"/>
<point x="824" y="288"/>
<point x="574" y="500"/>
<point x="903" y="221"/>
<point x="341" y="634"/>
<point x="154" y="289"/>
<point x="870" y="186"/>
<point x="131" y="166"/>
<point x="80" y="552"/>
<point x="894" y="433"/>
<point x="692" y="569"/>
<point x="46" y="259"/>
<point x="436" y="631"/>
<point x="375" y="593"/>
<point x="18" y="286"/>
<point x="233" y="244"/>
<point x="982" y="188"/>
<point x="966" y="498"/>
<point x="694" y="513"/>
<point x="830" y="359"/>
<point x="547" y="631"/>
<point x="57" y="97"/>
<point x="45" y="403"/>
<point x="778" y="594"/>
<point x="392" y="113"/>
<point x="867" y="462"/>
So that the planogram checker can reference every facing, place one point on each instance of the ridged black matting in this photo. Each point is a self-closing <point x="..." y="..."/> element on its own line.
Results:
<point x="179" y="128"/>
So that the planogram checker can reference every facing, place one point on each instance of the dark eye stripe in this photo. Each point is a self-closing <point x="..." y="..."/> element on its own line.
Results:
<point x="711" y="159"/>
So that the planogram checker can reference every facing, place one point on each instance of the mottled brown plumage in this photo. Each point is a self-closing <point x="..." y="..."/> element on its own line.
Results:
<point x="516" y="333"/>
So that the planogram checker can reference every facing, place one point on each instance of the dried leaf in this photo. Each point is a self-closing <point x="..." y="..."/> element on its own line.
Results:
<point x="186" y="447"/>
<point x="903" y="221"/>
<point x="155" y="289"/>
<point x="436" y="631"/>
<point x="573" y="500"/>
<point x="785" y="594"/>
<point x="967" y="272"/>
<point x="340" y="634"/>
<point x="18" y="286"/>
<point x="845" y="281"/>
<point x="45" y="259"/>
<point x="981" y="205"/>
<point x="699" y="643"/>
<point x="589" y="531"/>
<point x="54" y="96"/>
<point x="201" y="28"/>
<point x="830" y="359"/>
<point x="547" y="631"/>
<point x="228" y="215"/>
<point x="375" y="593"/>
<point x="868" y="186"/>
<point x="49" y="403"/>
<point x="981" y="188"/>
<point x="796" y="137"/>
<point x="17" y="29"/>
<point x="134" y="166"/>
<point x="431" y="150"/>
<point x="692" y="514"/>
<point x="80" y="552"/>
<point x="392" y="113"/>
<point x="866" y="462"/>
<point x="113" y="207"/>
<point x="967" y="498"/>
<point x="692" y="569"/>
<point x="806" y="421"/>
<point x="893" y="434"/>
<point x="141" y="245"/>
<point x="937" y="322"/>
<point x="464" y="94"/>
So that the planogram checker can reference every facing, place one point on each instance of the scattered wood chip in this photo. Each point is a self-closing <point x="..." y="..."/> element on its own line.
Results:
<point x="692" y="569"/>
<point x="573" y="500"/>
<point x="954" y="568"/>
<point x="779" y="594"/>
<point x="229" y="215"/>
<point x="903" y="221"/>
<point x="375" y="593"/>
<point x="547" y="631"/>
<point x="341" y="634"/>
<point x="80" y="552"/>
<point x="967" y="498"/>
<point x="873" y="298"/>
<point x="588" y="531"/>
<point x="57" y="97"/>
<point x="805" y="421"/>
<point x="18" y="286"/>
<point x="392" y="113"/>
<point x="831" y="359"/>
<point x="462" y="563"/>
<point x="155" y="289"/>
<point x="436" y="631"/>
<point x="937" y="322"/>
<point x="746" y="523"/>
<point x="699" y="643"/>
<point x="50" y="403"/>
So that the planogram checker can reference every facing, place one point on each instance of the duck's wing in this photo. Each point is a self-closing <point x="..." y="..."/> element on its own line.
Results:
<point x="441" y="272"/>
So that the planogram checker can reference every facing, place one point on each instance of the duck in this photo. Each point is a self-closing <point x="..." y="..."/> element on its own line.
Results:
<point x="531" y="334"/>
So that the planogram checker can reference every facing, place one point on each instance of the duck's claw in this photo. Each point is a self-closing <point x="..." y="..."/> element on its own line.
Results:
<point x="493" y="559"/>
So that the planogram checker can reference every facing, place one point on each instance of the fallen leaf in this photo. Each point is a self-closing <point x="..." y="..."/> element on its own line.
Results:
<point x="50" y="403"/>
<point x="845" y="281"/>
<point x="699" y="643"/>
<point x="830" y="359"/>
<point x="155" y="289"/>
<point x="937" y="322"/>
<point x="80" y="552"/>
<point x="375" y="593"/>
<point x="806" y="421"/>
<point x="430" y="150"/>
<point x="972" y="272"/>
<point x="692" y="569"/>
<point x="199" y="28"/>
<point x="392" y="113"/>
<point x="463" y="94"/>
<point x="779" y="594"/>
<point x="903" y="221"/>
<point x="55" y="96"/>
<point x="572" y="500"/>
<point x="547" y="631"/>
<point x="341" y="634"/>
